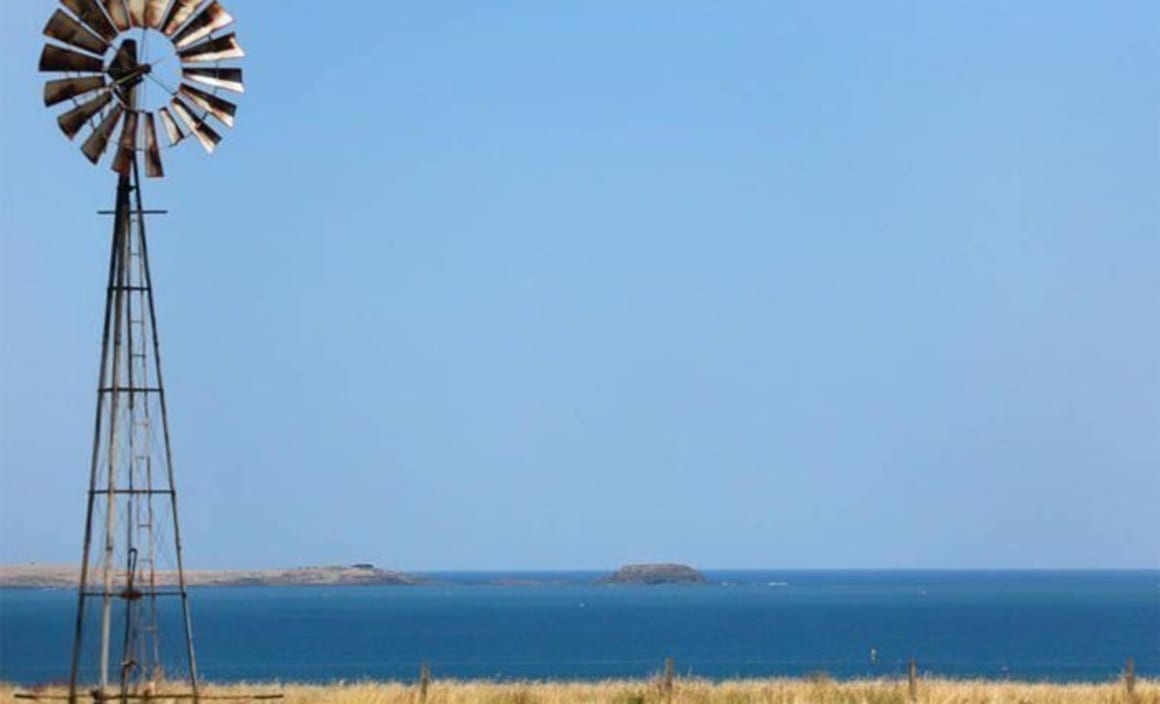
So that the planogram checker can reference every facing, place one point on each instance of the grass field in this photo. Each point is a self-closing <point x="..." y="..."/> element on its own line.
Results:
<point x="818" y="690"/>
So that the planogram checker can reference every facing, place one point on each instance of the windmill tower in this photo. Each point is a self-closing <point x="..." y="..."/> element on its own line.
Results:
<point x="133" y="627"/>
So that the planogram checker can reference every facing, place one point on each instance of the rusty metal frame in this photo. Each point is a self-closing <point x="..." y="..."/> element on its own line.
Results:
<point x="103" y="96"/>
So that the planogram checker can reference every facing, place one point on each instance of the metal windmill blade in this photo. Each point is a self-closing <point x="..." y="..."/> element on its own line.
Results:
<point x="58" y="59"/>
<point x="155" y="13"/>
<point x="205" y="134"/>
<point x="153" y="168"/>
<point x="178" y="13"/>
<point x="98" y="141"/>
<point x="172" y="130"/>
<point x="63" y="28"/>
<point x="137" y="13"/>
<point x="228" y="78"/>
<point x="223" y="110"/>
<point x="63" y="89"/>
<point x="209" y="19"/>
<point x="127" y="146"/>
<point x="72" y="121"/>
<point x="92" y="16"/>
<point x="226" y="47"/>
<point x="118" y="11"/>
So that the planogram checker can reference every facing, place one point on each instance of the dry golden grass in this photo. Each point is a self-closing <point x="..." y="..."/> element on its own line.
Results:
<point x="819" y="690"/>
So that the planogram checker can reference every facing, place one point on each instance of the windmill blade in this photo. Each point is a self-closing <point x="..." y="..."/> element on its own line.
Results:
<point x="155" y="13"/>
<point x="228" y="78"/>
<point x="118" y="11"/>
<point x="129" y="132"/>
<point x="64" y="28"/>
<point x="205" y="134"/>
<point x="127" y="148"/>
<point x="226" y="47"/>
<point x="60" y="91"/>
<point x="210" y="19"/>
<point x="72" y="121"/>
<point x="153" y="168"/>
<point x="55" y="58"/>
<point x="93" y="17"/>
<point x="137" y="13"/>
<point x="221" y="109"/>
<point x="98" y="141"/>
<point x="179" y="12"/>
<point x="171" y="128"/>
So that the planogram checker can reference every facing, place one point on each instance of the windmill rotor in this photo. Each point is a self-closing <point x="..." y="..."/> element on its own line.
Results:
<point x="105" y="53"/>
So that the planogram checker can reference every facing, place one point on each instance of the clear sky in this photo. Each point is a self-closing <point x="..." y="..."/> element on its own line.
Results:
<point x="566" y="285"/>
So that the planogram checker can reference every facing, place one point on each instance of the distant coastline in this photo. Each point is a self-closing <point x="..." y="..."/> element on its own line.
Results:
<point x="362" y="574"/>
<point x="44" y="576"/>
<point x="67" y="577"/>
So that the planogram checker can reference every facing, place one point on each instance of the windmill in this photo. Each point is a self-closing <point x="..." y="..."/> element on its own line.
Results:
<point x="112" y="57"/>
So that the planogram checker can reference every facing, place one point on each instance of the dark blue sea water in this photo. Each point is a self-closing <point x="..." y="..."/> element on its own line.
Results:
<point x="1064" y="626"/>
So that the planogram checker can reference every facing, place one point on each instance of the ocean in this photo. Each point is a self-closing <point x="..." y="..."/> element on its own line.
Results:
<point x="1037" y="625"/>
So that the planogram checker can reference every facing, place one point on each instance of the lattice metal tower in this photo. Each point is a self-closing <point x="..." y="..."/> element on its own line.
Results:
<point x="132" y="595"/>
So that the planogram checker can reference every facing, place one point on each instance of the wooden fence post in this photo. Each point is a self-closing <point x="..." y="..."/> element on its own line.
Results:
<point x="668" y="685"/>
<point x="1130" y="679"/>
<point x="912" y="681"/>
<point x="424" y="682"/>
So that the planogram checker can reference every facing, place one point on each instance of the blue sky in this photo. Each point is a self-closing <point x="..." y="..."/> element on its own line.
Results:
<point x="566" y="285"/>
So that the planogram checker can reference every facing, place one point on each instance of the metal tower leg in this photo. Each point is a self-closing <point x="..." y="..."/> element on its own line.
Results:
<point x="132" y="499"/>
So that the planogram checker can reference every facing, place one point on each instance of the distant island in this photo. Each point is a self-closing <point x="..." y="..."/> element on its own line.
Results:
<point x="67" y="577"/>
<point x="649" y="574"/>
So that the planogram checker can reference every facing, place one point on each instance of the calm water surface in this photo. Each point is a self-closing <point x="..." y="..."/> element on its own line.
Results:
<point x="1061" y="626"/>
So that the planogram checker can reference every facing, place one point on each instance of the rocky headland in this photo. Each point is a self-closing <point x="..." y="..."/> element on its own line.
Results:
<point x="649" y="574"/>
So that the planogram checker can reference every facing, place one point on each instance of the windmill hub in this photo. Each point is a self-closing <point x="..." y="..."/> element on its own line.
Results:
<point x="124" y="69"/>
